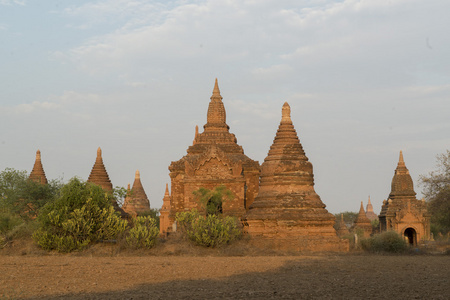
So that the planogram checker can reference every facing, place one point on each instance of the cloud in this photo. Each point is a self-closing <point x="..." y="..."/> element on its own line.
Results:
<point x="12" y="2"/>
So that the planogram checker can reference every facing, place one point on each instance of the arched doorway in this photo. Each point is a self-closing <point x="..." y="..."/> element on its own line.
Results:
<point x="411" y="235"/>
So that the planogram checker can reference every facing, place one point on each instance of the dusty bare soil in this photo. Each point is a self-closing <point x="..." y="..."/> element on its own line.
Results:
<point x="347" y="276"/>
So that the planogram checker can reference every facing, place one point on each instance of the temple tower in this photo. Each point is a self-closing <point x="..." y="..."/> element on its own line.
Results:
<point x="136" y="201"/>
<point x="98" y="175"/>
<point x="288" y="214"/>
<point x="342" y="228"/>
<point x="164" y="222"/>
<point x="38" y="174"/>
<point x="369" y="211"/>
<point x="402" y="212"/>
<point x="214" y="159"/>
<point x="362" y="222"/>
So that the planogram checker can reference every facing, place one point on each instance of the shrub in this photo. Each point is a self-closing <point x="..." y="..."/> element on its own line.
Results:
<point x="209" y="231"/>
<point x="82" y="214"/>
<point x="389" y="241"/>
<point x="144" y="233"/>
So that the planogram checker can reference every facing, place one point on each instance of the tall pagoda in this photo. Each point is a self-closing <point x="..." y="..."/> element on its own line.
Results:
<point x="402" y="212"/>
<point x="38" y="174"/>
<point x="288" y="214"/>
<point x="214" y="159"/>
<point x="98" y="175"/>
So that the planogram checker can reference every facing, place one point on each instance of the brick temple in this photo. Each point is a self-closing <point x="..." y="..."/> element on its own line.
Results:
<point x="362" y="223"/>
<point x="136" y="201"/>
<point x="38" y="174"/>
<point x="402" y="212"/>
<point x="98" y="174"/>
<point x="213" y="159"/>
<point x="288" y="214"/>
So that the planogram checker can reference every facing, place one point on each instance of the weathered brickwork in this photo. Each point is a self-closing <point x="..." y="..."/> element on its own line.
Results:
<point x="402" y="212"/>
<point x="287" y="214"/>
<point x="98" y="174"/>
<point x="136" y="201"/>
<point x="362" y="222"/>
<point x="214" y="159"/>
<point x="38" y="174"/>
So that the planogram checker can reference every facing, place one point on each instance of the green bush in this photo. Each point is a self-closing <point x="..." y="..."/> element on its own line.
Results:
<point x="22" y="196"/>
<point x="388" y="241"/>
<point x="209" y="231"/>
<point x="12" y="227"/>
<point x="82" y="214"/>
<point x="144" y="233"/>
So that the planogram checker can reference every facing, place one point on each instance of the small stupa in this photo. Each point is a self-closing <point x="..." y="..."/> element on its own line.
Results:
<point x="402" y="212"/>
<point x="38" y="174"/>
<point x="136" y="201"/>
<point x="369" y="211"/>
<point x="98" y="175"/>
<point x="342" y="228"/>
<point x="362" y="222"/>
<point x="287" y="213"/>
<point x="164" y="212"/>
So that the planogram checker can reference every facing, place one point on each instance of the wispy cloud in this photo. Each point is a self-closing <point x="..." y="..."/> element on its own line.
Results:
<point x="12" y="2"/>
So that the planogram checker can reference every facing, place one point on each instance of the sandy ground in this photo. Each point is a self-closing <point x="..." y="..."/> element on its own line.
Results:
<point x="347" y="276"/>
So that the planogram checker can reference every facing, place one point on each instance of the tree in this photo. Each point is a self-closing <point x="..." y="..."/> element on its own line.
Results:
<point x="437" y="194"/>
<point x="83" y="213"/>
<point x="211" y="200"/>
<point x="21" y="196"/>
<point x="349" y="218"/>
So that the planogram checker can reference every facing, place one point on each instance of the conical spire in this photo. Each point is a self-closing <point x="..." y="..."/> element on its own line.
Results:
<point x="138" y="190"/>
<point x="287" y="148"/>
<point x="98" y="175"/>
<point x="216" y="118"/>
<point x="216" y="91"/>
<point x="166" y="194"/>
<point x="342" y="229"/>
<point x="166" y="199"/>
<point x="402" y="184"/>
<point x="369" y="211"/>
<point x="287" y="210"/>
<point x="137" y="201"/>
<point x="362" y="217"/>
<point x="38" y="174"/>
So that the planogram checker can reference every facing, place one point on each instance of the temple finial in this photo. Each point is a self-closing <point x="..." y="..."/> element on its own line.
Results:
<point x="38" y="154"/>
<point x="362" y="208"/>
<point x="195" y="136"/>
<point x="216" y="91"/>
<point x="286" y="113"/>
<point x="369" y="201"/>
<point x="137" y="175"/>
<point x="342" y="218"/>
<point x="167" y="190"/>
<point x="99" y="152"/>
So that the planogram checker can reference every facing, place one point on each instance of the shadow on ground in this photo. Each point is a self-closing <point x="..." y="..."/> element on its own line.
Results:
<point x="340" y="277"/>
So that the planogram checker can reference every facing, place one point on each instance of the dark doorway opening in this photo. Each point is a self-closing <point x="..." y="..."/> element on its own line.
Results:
<point x="410" y="234"/>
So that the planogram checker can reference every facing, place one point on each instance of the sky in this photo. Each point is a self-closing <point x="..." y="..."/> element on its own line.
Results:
<point x="364" y="79"/>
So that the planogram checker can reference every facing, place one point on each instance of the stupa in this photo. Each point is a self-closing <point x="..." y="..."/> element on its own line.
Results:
<point x="288" y="214"/>
<point x="362" y="222"/>
<point x="38" y="174"/>
<point x="402" y="212"/>
<point x="136" y="201"/>
<point x="164" y="222"/>
<point x="98" y="175"/>
<point x="369" y="211"/>
<point x="214" y="159"/>
<point x="342" y="228"/>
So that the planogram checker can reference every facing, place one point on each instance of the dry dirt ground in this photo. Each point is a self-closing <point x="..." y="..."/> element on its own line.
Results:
<point x="178" y="270"/>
